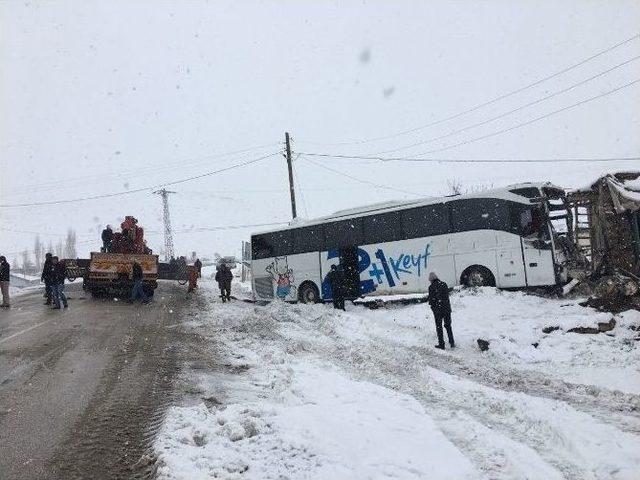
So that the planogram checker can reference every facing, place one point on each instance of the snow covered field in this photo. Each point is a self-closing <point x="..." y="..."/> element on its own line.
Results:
<point x="303" y="391"/>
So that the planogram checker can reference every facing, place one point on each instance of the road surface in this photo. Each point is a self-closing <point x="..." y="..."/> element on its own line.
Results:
<point x="83" y="390"/>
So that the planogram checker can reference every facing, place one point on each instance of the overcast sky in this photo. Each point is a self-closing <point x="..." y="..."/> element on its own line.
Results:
<point x="105" y="97"/>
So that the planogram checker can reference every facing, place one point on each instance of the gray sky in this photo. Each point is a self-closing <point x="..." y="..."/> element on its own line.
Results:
<point x="103" y="97"/>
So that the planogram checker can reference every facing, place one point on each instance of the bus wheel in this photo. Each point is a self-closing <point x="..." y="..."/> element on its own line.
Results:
<point x="308" y="293"/>
<point x="478" y="276"/>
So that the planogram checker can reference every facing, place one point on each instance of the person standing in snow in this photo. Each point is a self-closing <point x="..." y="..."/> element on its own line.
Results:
<point x="224" y="277"/>
<point x="47" y="277"/>
<point x="5" y="270"/>
<point x="198" y="265"/>
<point x="138" y="287"/>
<point x="107" y="237"/>
<point x="438" y="299"/>
<point x="335" y="278"/>
<point x="59" y="274"/>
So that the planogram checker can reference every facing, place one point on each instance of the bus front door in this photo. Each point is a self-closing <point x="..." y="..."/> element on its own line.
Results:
<point x="538" y="262"/>
<point x="349" y="262"/>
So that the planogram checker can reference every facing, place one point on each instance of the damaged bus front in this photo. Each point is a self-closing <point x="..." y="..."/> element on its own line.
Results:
<point x="546" y="233"/>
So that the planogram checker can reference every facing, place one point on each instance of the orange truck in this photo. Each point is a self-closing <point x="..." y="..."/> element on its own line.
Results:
<point x="110" y="273"/>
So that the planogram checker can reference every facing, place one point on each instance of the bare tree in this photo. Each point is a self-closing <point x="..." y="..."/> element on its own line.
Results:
<point x="50" y="247"/>
<point x="455" y="187"/>
<point x="70" y="244"/>
<point x="27" y="265"/>
<point x="38" y="252"/>
<point x="59" y="249"/>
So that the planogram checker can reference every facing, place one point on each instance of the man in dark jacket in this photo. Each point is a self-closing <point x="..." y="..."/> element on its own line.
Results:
<point x="5" y="270"/>
<point x="58" y="272"/>
<point x="107" y="237"/>
<point x="47" y="277"/>
<point x="138" y="286"/>
<point x="335" y="278"/>
<point x="198" y="265"/>
<point x="224" y="277"/>
<point x="438" y="299"/>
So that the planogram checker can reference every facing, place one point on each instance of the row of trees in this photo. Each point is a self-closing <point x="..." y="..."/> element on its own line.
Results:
<point x="31" y="261"/>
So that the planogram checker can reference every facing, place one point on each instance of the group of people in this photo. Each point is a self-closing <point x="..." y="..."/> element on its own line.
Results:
<point x="54" y="273"/>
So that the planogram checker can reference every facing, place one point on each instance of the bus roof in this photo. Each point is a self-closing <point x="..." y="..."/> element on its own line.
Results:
<point x="503" y="193"/>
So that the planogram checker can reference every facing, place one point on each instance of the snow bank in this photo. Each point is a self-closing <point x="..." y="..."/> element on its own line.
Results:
<point x="325" y="426"/>
<point x="304" y="391"/>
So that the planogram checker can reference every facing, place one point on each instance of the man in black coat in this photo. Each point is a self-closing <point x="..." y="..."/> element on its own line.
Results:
<point x="224" y="277"/>
<point x="107" y="238"/>
<point x="438" y="299"/>
<point x="137" y="291"/>
<point x="47" y="277"/>
<point x="198" y="265"/>
<point x="335" y="278"/>
<point x="5" y="270"/>
<point x="58" y="272"/>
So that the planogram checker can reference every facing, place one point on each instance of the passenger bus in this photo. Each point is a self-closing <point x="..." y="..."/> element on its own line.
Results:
<point x="502" y="237"/>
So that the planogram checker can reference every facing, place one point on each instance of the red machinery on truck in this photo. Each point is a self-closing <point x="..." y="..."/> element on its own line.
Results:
<point x="110" y="272"/>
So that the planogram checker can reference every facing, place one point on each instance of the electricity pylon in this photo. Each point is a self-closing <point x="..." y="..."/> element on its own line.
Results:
<point x="168" y="234"/>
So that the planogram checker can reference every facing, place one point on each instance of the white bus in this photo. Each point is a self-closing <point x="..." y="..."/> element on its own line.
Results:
<point x="501" y="238"/>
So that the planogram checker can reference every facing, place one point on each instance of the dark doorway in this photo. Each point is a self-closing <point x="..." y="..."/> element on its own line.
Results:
<point x="349" y="263"/>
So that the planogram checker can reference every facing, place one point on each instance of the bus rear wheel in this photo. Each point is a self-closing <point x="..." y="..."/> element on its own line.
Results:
<point x="308" y="293"/>
<point x="478" y="276"/>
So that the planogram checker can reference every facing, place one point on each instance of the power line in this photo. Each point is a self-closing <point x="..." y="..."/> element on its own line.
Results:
<point x="529" y="122"/>
<point x="192" y="161"/>
<point x="510" y="112"/>
<point x="230" y="227"/>
<point x="469" y="160"/>
<point x="489" y="102"/>
<point x="360" y="180"/>
<point x="295" y="174"/>
<point x="143" y="189"/>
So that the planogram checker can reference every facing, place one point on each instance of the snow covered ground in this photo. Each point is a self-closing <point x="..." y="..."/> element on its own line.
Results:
<point x="305" y="392"/>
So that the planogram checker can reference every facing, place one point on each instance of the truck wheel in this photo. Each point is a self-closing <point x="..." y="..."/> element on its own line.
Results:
<point x="308" y="293"/>
<point x="478" y="276"/>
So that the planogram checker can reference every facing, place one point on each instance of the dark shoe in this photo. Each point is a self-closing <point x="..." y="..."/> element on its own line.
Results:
<point x="452" y="345"/>
<point x="441" y="347"/>
<point x="47" y="303"/>
<point x="55" y="308"/>
<point x="66" y="306"/>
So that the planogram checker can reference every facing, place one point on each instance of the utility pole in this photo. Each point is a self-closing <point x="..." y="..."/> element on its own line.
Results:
<point x="168" y="234"/>
<point x="292" y="190"/>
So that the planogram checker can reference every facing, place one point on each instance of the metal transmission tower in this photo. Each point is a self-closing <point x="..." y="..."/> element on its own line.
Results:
<point x="168" y="234"/>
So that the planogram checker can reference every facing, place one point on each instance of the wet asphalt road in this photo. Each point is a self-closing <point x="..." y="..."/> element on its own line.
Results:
<point x="83" y="390"/>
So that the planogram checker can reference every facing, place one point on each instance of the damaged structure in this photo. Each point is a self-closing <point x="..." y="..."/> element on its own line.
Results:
<point x="604" y="232"/>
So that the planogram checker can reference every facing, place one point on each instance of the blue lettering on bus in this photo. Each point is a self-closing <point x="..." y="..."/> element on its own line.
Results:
<point x="385" y="269"/>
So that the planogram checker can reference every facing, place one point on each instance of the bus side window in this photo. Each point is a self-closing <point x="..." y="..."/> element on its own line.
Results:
<point x="526" y="222"/>
<point x="261" y="247"/>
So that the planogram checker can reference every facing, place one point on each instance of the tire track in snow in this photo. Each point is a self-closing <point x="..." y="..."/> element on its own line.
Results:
<point x="397" y="367"/>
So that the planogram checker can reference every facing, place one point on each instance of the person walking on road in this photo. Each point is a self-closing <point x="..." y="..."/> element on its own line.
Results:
<point x="138" y="287"/>
<point x="107" y="238"/>
<point x="47" y="277"/>
<point x="438" y="299"/>
<point x="198" y="265"/>
<point x="59" y="274"/>
<point x="5" y="270"/>
<point x="224" y="277"/>
<point x="335" y="278"/>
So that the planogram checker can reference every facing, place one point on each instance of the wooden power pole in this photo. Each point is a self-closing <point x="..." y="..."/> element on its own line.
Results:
<point x="292" y="190"/>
